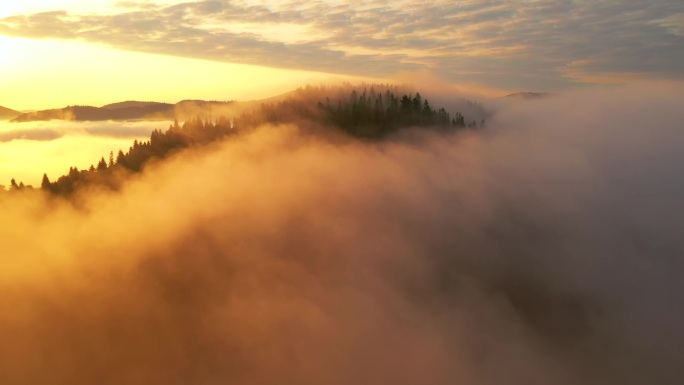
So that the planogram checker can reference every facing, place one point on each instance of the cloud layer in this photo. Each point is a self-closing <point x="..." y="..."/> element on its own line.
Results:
<point x="544" y="249"/>
<point x="27" y="150"/>
<point x="542" y="43"/>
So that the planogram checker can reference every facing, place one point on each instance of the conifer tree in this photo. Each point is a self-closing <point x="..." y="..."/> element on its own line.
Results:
<point x="45" y="183"/>
<point x="102" y="165"/>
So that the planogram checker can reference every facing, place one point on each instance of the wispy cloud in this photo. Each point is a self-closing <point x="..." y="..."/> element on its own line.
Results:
<point x="509" y="43"/>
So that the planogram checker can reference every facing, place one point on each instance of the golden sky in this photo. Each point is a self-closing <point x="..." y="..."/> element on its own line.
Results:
<point x="41" y="74"/>
<point x="59" y="52"/>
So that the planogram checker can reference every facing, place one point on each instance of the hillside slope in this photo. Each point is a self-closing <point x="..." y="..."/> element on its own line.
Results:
<point x="7" y="114"/>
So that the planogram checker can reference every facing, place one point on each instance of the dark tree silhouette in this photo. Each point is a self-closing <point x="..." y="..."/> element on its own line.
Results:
<point x="366" y="114"/>
<point x="45" y="183"/>
<point x="102" y="165"/>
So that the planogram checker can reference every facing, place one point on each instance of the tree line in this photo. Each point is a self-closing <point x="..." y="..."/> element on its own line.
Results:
<point x="366" y="114"/>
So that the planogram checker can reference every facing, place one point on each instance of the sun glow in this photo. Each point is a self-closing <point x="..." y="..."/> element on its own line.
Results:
<point x="12" y="8"/>
<point x="6" y="49"/>
<point x="40" y="74"/>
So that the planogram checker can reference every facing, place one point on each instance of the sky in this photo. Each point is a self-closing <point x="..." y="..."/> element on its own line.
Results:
<point x="59" y="52"/>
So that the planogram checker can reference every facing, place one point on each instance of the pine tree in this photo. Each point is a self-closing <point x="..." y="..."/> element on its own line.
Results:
<point x="120" y="157"/>
<point x="102" y="165"/>
<point x="45" y="184"/>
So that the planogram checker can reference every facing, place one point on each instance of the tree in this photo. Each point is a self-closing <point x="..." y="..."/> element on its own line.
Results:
<point x="45" y="184"/>
<point x="417" y="102"/>
<point x="102" y="165"/>
<point x="13" y="184"/>
<point x="406" y="103"/>
<point x="459" y="120"/>
<point x="120" y="157"/>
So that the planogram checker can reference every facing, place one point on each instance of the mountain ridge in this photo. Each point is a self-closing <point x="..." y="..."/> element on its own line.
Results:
<point x="529" y="95"/>
<point x="123" y="111"/>
<point x="8" y="113"/>
<point x="131" y="103"/>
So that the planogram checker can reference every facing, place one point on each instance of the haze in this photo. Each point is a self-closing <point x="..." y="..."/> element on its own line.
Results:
<point x="332" y="192"/>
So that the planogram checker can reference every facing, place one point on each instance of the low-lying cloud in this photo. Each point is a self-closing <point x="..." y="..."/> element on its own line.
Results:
<point x="27" y="150"/>
<point x="543" y="249"/>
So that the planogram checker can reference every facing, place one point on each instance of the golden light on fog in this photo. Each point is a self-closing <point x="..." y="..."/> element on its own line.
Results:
<point x="284" y="226"/>
<point x="85" y="74"/>
<point x="64" y="145"/>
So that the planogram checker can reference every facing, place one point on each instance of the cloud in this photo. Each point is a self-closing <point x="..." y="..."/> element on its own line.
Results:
<point x="499" y="43"/>
<point x="674" y="24"/>
<point x="36" y="134"/>
<point x="27" y="150"/>
<point x="547" y="245"/>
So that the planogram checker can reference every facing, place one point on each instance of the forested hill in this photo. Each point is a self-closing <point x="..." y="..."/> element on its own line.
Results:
<point x="88" y="113"/>
<point x="130" y="104"/>
<point x="6" y="113"/>
<point x="529" y="95"/>
<point x="367" y="114"/>
<point x="129" y="110"/>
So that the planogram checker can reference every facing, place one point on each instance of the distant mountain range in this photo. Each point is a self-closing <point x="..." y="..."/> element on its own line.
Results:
<point x="207" y="110"/>
<point x="529" y="95"/>
<point x="7" y="114"/>
<point x="132" y="104"/>
<point x="128" y="110"/>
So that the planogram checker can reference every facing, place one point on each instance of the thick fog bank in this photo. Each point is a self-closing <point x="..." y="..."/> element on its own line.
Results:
<point x="545" y="249"/>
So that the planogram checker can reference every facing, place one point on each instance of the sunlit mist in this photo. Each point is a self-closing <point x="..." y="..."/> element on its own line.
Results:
<point x="258" y="192"/>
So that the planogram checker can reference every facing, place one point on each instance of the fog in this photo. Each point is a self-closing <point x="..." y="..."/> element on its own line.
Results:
<point x="27" y="150"/>
<point x="544" y="249"/>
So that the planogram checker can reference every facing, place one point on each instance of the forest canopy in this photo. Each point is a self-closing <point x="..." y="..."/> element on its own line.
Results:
<point x="369" y="113"/>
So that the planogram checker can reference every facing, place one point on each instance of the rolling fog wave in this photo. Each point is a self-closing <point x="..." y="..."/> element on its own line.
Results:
<point x="544" y="249"/>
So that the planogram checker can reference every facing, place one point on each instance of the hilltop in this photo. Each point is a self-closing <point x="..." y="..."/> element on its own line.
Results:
<point x="7" y="114"/>
<point x="367" y="113"/>
<point x="131" y="104"/>
<point x="529" y="95"/>
<point x="125" y="111"/>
